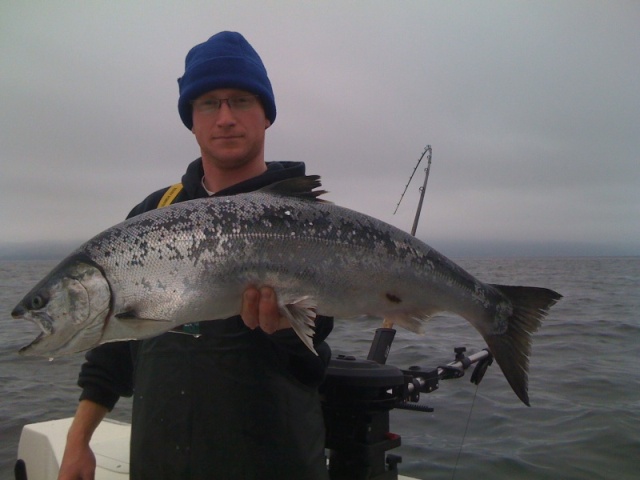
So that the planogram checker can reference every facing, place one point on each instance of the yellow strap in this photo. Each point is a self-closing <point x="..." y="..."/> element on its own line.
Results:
<point x="170" y="195"/>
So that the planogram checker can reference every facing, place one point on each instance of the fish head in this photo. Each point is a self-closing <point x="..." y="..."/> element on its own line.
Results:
<point x="70" y="305"/>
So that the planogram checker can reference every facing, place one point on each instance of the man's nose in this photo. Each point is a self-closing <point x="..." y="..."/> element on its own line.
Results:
<point x="225" y="115"/>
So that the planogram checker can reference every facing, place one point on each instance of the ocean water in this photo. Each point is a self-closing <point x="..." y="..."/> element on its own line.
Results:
<point x="584" y="383"/>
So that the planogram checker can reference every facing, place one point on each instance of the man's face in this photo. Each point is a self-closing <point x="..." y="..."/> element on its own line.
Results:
<point x="229" y="137"/>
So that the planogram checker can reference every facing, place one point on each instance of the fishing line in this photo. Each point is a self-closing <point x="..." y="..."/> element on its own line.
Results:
<point x="464" y="435"/>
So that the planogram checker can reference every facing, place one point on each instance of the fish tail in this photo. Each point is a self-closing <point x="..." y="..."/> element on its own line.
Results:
<point x="512" y="348"/>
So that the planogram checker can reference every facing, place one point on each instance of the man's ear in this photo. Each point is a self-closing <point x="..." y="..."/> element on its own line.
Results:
<point x="267" y="123"/>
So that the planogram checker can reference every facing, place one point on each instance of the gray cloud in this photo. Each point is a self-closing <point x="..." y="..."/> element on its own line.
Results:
<point x="532" y="109"/>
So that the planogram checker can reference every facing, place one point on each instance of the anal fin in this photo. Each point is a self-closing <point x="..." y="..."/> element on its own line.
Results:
<point x="301" y="314"/>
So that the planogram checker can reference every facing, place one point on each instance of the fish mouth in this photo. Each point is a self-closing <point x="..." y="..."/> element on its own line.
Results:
<point x="41" y="319"/>
<point x="57" y="340"/>
<point x="27" y="348"/>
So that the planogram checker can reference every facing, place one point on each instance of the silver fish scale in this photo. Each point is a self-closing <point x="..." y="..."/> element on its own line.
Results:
<point x="221" y="244"/>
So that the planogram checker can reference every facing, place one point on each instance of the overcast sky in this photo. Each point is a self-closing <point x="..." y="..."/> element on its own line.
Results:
<point x="532" y="110"/>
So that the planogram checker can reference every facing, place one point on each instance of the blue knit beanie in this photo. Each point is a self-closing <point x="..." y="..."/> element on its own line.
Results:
<point x="226" y="60"/>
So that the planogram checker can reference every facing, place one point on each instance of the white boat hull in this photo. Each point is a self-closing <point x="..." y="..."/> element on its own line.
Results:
<point x="42" y="445"/>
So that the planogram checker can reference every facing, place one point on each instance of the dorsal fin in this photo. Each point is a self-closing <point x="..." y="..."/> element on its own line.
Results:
<point x="299" y="187"/>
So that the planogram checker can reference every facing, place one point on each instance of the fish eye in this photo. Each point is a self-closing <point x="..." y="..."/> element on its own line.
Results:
<point x="37" y="302"/>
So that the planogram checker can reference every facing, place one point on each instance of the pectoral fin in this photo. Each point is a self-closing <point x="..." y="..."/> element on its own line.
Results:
<point x="128" y="326"/>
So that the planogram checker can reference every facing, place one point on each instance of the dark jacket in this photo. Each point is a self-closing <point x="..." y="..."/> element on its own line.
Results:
<point x="232" y="403"/>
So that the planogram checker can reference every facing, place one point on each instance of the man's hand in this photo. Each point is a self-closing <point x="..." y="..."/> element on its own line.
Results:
<point x="260" y="309"/>
<point x="78" y="463"/>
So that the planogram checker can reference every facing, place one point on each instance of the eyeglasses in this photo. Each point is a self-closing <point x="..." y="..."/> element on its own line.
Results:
<point x="241" y="103"/>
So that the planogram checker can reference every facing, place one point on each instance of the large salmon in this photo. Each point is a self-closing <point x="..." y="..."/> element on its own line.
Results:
<point x="191" y="262"/>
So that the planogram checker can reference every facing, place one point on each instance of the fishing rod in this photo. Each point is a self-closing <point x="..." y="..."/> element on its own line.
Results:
<point x="426" y="149"/>
<point x="423" y="189"/>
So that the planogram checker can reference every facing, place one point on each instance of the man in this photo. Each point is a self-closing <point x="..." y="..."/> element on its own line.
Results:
<point x="224" y="399"/>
